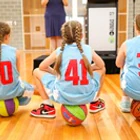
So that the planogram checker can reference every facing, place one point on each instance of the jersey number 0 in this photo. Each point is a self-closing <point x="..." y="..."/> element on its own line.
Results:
<point x="72" y="73"/>
<point x="6" y="75"/>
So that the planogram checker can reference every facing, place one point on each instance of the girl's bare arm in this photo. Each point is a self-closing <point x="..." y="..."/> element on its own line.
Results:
<point x="98" y="62"/>
<point x="45" y="64"/>
<point x="121" y="56"/>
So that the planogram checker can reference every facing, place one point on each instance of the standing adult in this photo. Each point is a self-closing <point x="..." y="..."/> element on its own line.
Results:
<point x="54" y="18"/>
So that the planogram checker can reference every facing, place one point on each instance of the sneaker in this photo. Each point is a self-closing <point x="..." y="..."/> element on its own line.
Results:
<point x="97" y="106"/>
<point x="23" y="100"/>
<point x="45" y="111"/>
<point x="125" y="106"/>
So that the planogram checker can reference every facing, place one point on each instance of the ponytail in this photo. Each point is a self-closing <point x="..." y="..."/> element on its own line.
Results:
<point x="4" y="30"/>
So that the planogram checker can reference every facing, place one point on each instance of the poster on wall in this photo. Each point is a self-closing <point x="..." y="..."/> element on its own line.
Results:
<point x="102" y="28"/>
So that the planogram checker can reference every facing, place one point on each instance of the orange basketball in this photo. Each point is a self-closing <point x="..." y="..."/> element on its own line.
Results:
<point x="135" y="109"/>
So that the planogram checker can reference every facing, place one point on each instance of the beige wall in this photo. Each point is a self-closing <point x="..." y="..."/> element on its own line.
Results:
<point x="11" y="12"/>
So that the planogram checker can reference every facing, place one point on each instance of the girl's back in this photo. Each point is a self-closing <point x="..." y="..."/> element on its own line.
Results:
<point x="132" y="65"/>
<point x="9" y="75"/>
<point x="75" y="83"/>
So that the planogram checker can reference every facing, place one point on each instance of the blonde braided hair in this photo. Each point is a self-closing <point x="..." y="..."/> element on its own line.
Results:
<point x="4" y="30"/>
<point x="71" y="32"/>
<point x="78" y="34"/>
<point x="137" y="20"/>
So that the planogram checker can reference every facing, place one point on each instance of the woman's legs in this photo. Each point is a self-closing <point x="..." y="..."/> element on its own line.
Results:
<point x="55" y="42"/>
<point x="59" y="41"/>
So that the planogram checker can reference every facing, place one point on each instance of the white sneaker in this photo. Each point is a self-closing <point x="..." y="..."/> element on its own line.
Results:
<point x="125" y="106"/>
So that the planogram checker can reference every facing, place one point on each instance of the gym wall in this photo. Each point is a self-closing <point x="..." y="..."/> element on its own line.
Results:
<point x="11" y="12"/>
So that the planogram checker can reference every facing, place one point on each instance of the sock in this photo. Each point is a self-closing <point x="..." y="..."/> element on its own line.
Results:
<point x="47" y="101"/>
<point x="96" y="99"/>
<point x="125" y="98"/>
<point x="23" y="100"/>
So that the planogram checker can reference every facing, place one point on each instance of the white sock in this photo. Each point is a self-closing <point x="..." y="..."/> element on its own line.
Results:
<point x="96" y="99"/>
<point x="48" y="102"/>
<point x="125" y="98"/>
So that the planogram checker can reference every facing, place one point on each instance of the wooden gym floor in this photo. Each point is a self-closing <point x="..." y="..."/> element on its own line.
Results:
<point x="109" y="124"/>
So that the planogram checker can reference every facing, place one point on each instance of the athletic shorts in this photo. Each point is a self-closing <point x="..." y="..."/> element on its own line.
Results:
<point x="49" y="81"/>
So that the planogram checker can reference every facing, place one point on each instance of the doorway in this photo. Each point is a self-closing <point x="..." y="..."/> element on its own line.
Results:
<point x="34" y="31"/>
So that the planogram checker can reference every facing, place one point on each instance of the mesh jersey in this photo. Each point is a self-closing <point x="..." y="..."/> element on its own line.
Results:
<point x="10" y="85"/>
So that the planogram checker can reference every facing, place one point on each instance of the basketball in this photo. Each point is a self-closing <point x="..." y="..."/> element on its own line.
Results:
<point x="74" y="114"/>
<point x="135" y="109"/>
<point x="8" y="107"/>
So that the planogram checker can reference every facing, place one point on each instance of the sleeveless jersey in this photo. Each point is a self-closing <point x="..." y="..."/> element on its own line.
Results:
<point x="10" y="84"/>
<point x="75" y="84"/>
<point x="131" y="71"/>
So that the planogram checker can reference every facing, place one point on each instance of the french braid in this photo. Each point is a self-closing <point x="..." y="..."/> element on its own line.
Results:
<point x="71" y="32"/>
<point x="78" y="34"/>
<point x="67" y="38"/>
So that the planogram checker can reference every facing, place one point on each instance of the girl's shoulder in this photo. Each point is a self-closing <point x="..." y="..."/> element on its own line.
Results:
<point x="133" y="40"/>
<point x="8" y="47"/>
<point x="86" y="47"/>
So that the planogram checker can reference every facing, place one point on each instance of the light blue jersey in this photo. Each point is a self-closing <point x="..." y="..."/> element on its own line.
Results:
<point x="130" y="76"/>
<point x="10" y="84"/>
<point x="75" y="86"/>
